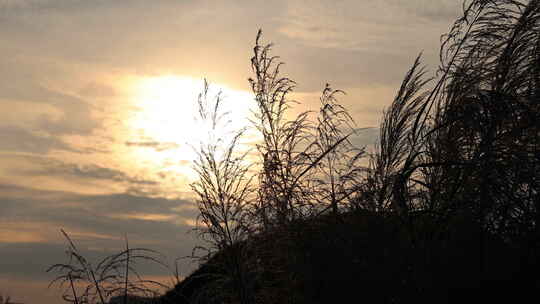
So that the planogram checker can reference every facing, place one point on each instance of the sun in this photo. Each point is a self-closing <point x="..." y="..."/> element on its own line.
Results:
<point x="167" y="107"/>
<point x="164" y="125"/>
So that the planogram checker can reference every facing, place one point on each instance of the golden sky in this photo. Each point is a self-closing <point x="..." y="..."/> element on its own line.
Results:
<point x="97" y="101"/>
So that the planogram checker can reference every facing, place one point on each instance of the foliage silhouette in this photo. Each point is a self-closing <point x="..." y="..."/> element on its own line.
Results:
<point x="112" y="277"/>
<point x="339" y="169"/>
<point x="453" y="179"/>
<point x="447" y="210"/>
<point x="223" y="191"/>
<point x="7" y="300"/>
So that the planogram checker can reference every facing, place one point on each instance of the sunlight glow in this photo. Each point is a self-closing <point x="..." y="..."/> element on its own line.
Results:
<point x="164" y="126"/>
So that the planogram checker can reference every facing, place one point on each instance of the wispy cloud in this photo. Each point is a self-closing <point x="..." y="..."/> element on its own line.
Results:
<point x="17" y="139"/>
<point x="92" y="171"/>
<point x="30" y="221"/>
<point x="158" y="146"/>
<point x="368" y="26"/>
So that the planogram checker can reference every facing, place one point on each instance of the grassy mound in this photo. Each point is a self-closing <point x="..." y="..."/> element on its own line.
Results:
<point x="378" y="258"/>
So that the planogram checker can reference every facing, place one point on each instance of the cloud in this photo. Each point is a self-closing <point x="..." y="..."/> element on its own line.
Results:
<point x="21" y="259"/>
<point x="25" y="167"/>
<point x="100" y="214"/>
<point x="353" y="43"/>
<point x="162" y="37"/>
<point x="91" y="171"/>
<point x="16" y="139"/>
<point x="388" y="26"/>
<point x="30" y="221"/>
<point x="158" y="146"/>
<point x="65" y="112"/>
<point x="434" y="10"/>
<point x="356" y="42"/>
<point x="21" y="4"/>
<point x="97" y="90"/>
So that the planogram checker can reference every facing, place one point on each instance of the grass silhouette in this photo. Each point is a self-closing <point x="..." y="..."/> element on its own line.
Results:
<point x="114" y="276"/>
<point x="7" y="300"/>
<point x="447" y="210"/>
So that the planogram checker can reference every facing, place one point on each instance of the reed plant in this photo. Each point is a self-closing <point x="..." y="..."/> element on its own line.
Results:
<point x="115" y="275"/>
<point x="455" y="165"/>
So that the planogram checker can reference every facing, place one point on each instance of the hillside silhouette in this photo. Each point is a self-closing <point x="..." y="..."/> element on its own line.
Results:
<point x="366" y="257"/>
<point x="447" y="209"/>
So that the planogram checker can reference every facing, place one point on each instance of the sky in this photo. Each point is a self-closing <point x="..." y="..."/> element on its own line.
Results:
<point x="97" y="99"/>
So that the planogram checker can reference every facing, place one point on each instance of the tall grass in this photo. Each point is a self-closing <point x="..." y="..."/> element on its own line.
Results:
<point x="464" y="146"/>
<point x="7" y="300"/>
<point x="302" y="166"/>
<point x="115" y="275"/>
<point x="461" y="146"/>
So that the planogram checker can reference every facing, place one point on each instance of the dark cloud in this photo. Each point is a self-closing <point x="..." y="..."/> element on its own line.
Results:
<point x="17" y="139"/>
<point x="30" y="259"/>
<point x="77" y="120"/>
<point x="102" y="214"/>
<point x="46" y="166"/>
<point x="95" y="215"/>
<point x="129" y="203"/>
<point x="97" y="90"/>
<point x="91" y="171"/>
